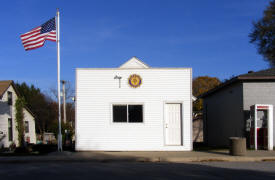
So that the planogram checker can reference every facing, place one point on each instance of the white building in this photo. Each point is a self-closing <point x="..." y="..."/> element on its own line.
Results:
<point x="8" y="131"/>
<point x="134" y="108"/>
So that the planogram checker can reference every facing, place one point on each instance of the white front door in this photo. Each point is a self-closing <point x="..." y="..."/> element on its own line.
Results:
<point x="172" y="124"/>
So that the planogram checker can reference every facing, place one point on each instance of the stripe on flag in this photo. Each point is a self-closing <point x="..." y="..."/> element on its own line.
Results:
<point x="37" y="36"/>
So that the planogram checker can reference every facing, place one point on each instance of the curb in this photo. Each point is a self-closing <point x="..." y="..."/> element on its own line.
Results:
<point x="220" y="159"/>
<point x="136" y="159"/>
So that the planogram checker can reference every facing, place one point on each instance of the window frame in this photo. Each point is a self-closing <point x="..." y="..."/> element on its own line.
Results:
<point x="26" y="122"/>
<point x="127" y="111"/>
<point x="10" y="129"/>
<point x="10" y="99"/>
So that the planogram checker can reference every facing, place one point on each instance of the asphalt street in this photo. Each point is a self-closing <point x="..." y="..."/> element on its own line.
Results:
<point x="137" y="170"/>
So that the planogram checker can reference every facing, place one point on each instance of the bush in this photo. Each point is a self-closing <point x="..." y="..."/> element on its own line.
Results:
<point x="21" y="150"/>
<point x="12" y="146"/>
<point x="44" y="148"/>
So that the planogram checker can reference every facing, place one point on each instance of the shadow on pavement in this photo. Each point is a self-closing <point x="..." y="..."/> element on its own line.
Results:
<point x="216" y="152"/>
<point x="119" y="171"/>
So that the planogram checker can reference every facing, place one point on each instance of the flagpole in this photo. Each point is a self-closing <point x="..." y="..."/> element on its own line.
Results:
<point x="58" y="84"/>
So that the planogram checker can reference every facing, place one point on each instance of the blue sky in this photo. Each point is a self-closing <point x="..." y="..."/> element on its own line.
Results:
<point x="209" y="36"/>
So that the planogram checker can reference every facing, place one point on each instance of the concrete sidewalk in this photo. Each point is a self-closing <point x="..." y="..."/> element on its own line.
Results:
<point x="173" y="157"/>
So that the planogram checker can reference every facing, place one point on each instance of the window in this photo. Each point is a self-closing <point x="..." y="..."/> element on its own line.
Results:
<point x="128" y="113"/>
<point x="9" y="98"/>
<point x="135" y="113"/>
<point x="120" y="113"/>
<point x="26" y="124"/>
<point x="10" y="129"/>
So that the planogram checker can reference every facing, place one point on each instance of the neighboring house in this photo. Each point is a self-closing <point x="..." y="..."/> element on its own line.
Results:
<point x="8" y="131"/>
<point x="134" y="108"/>
<point x="198" y="128"/>
<point x="48" y="138"/>
<point x="226" y="108"/>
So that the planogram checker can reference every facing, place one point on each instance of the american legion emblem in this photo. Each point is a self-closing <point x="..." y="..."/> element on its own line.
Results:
<point x="134" y="80"/>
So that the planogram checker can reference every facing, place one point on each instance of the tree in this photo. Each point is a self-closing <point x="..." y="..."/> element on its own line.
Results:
<point x="41" y="105"/>
<point x="201" y="85"/>
<point x="66" y="128"/>
<point x="70" y="113"/>
<point x="263" y="34"/>
<point x="70" y="108"/>
<point x="68" y="89"/>
<point x="19" y="117"/>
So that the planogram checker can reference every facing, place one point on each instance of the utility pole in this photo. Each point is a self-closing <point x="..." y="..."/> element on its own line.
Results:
<point x="64" y="100"/>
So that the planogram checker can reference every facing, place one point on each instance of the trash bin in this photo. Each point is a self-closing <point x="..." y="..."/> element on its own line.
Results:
<point x="237" y="146"/>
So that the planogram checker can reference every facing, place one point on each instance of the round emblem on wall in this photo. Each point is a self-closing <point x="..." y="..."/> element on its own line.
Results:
<point x="135" y="80"/>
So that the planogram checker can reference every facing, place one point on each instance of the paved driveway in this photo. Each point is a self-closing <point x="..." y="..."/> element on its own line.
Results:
<point x="135" y="170"/>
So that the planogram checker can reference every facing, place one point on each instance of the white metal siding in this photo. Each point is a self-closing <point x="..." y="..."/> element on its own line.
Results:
<point x="97" y="90"/>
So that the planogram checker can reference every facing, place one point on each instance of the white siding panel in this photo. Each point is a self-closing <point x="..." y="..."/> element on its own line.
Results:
<point x="97" y="90"/>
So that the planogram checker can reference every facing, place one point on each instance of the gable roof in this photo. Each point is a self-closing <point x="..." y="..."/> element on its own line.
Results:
<point x="4" y="85"/>
<point x="134" y="62"/>
<point x="262" y="75"/>
<point x="28" y="109"/>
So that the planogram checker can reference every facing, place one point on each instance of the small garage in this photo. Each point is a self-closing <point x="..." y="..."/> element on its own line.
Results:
<point x="241" y="107"/>
<point x="134" y="108"/>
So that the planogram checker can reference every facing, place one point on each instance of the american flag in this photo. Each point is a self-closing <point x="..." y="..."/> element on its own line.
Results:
<point x="36" y="37"/>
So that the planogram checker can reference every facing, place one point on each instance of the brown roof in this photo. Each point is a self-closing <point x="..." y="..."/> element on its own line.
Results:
<point x="4" y="85"/>
<point x="263" y="75"/>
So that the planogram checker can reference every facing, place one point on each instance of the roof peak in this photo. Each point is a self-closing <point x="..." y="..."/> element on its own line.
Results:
<point x="4" y="85"/>
<point x="261" y="73"/>
<point x="134" y="62"/>
<point x="6" y="81"/>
